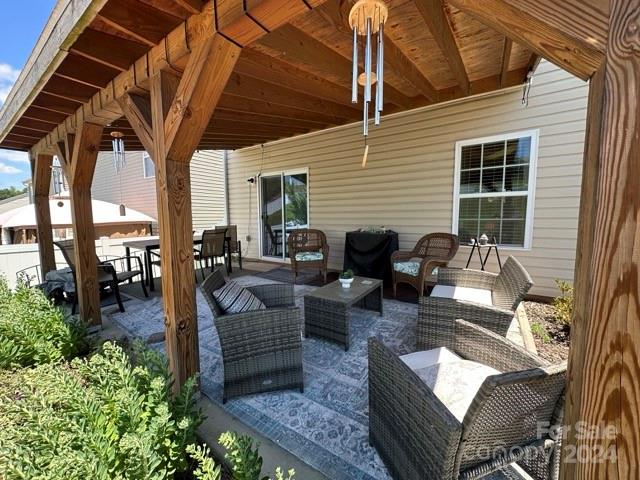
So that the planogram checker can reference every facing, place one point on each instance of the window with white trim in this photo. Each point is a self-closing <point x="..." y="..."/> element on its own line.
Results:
<point x="494" y="188"/>
<point x="148" y="167"/>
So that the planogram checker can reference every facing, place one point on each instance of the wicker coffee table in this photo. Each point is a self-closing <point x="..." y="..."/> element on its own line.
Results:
<point x="327" y="309"/>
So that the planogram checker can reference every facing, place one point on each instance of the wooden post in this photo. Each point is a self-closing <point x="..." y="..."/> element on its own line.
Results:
<point x="41" y="186"/>
<point x="83" y="154"/>
<point x="181" y="109"/>
<point x="604" y="365"/>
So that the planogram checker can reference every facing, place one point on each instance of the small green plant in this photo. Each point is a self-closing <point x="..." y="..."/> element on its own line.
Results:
<point x="33" y="331"/>
<point x="246" y="463"/>
<point x="100" y="418"/>
<point x="206" y="468"/>
<point x="563" y="304"/>
<point x="538" y="330"/>
<point x="347" y="274"/>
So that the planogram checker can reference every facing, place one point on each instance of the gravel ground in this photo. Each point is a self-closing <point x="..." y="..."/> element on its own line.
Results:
<point x="552" y="339"/>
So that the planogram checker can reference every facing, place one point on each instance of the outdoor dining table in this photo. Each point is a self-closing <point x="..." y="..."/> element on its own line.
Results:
<point x="153" y="243"/>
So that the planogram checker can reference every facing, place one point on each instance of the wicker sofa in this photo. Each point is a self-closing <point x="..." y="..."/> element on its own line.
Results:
<point x="414" y="267"/>
<point x="308" y="249"/>
<point x="422" y="431"/>
<point x="486" y="299"/>
<point x="262" y="349"/>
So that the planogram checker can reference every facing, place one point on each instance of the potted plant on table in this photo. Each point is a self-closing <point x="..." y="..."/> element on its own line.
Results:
<point x="346" y="278"/>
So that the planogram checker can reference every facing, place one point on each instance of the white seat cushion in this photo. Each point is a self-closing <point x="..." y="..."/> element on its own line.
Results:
<point x="475" y="295"/>
<point x="453" y="380"/>
<point x="309" y="256"/>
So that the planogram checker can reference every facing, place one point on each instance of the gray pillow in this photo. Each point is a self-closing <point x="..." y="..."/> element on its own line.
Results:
<point x="234" y="298"/>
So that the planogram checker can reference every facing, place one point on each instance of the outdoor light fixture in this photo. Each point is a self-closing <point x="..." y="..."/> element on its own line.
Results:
<point x="367" y="19"/>
<point x="117" y="145"/>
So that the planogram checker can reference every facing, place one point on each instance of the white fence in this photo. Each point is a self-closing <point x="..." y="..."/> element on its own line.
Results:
<point x="14" y="258"/>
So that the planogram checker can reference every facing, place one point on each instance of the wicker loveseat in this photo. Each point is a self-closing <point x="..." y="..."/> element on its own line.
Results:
<point x="433" y="250"/>
<point x="261" y="349"/>
<point x="486" y="299"/>
<point x="308" y="249"/>
<point x="425" y="426"/>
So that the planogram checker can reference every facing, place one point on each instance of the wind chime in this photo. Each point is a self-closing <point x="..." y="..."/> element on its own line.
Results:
<point x="119" y="162"/>
<point x="367" y="19"/>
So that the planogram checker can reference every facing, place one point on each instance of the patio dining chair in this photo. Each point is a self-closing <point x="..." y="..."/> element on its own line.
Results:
<point x="261" y="349"/>
<point x="108" y="275"/>
<point x="308" y="249"/>
<point x="235" y="246"/>
<point x="484" y="298"/>
<point x="432" y="251"/>
<point x="211" y="248"/>
<point x="466" y="412"/>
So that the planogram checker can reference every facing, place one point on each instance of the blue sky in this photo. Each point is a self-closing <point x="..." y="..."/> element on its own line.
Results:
<point x="22" y="23"/>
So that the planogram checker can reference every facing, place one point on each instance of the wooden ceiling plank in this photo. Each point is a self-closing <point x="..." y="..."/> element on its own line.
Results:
<point x="127" y="31"/>
<point x="506" y="56"/>
<point x="434" y="15"/>
<point x="305" y="52"/>
<point x="55" y="104"/>
<point x="44" y="115"/>
<point x="398" y="61"/>
<point x="192" y="6"/>
<point x="69" y="90"/>
<point x="110" y="50"/>
<point x="543" y="27"/>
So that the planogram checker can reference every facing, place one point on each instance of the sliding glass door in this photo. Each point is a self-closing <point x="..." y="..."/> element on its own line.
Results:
<point x="284" y="207"/>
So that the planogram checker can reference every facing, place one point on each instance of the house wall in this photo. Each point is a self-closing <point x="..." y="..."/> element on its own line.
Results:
<point x="407" y="184"/>
<point x="139" y="193"/>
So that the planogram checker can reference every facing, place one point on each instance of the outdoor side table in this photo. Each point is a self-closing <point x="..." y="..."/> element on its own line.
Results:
<point x="483" y="260"/>
<point x="327" y="309"/>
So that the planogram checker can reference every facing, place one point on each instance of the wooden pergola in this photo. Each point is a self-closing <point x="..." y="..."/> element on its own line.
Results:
<point x="177" y="75"/>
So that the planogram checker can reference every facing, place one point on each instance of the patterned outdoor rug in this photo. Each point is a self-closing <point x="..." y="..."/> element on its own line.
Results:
<point x="327" y="426"/>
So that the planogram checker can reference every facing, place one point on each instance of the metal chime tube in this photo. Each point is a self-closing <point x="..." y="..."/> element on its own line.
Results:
<point x="378" y="105"/>
<point x="380" y="84"/>
<point x="354" y="80"/>
<point x="367" y="64"/>
<point x="117" y="145"/>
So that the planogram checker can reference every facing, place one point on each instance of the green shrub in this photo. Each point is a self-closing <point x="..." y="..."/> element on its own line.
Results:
<point x="33" y="331"/>
<point x="563" y="304"/>
<point x="95" y="418"/>
<point x="538" y="330"/>
<point x="245" y="461"/>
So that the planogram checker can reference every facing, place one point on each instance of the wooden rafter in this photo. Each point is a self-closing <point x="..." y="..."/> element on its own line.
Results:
<point x="193" y="6"/>
<point x="434" y="15"/>
<point x="544" y="27"/>
<point x="506" y="56"/>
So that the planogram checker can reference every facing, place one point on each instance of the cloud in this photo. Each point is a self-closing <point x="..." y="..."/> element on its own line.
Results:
<point x="14" y="156"/>
<point x="8" y="169"/>
<point x="8" y="76"/>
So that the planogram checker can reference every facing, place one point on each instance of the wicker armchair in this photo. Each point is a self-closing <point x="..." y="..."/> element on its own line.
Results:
<point x="486" y="299"/>
<point x="262" y="349"/>
<point x="308" y="249"/>
<point x="433" y="250"/>
<point x="109" y="276"/>
<point x="418" y="437"/>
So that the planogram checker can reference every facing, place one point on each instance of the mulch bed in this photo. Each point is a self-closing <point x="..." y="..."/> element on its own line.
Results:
<point x="554" y="345"/>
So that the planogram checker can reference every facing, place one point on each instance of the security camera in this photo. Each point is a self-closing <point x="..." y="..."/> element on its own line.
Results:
<point x="251" y="180"/>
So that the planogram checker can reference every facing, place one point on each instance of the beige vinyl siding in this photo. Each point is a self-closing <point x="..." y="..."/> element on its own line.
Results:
<point x="136" y="192"/>
<point x="408" y="182"/>
<point x="208" y="199"/>
<point x="139" y="193"/>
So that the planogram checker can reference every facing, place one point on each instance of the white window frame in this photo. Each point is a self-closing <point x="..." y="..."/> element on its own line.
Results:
<point x="282" y="173"/>
<point x="145" y="155"/>
<point x="533" y="166"/>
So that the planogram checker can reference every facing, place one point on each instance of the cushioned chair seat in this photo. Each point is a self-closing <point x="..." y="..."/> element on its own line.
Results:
<point x="453" y="380"/>
<point x="466" y="294"/>
<point x="309" y="256"/>
<point x="409" y="267"/>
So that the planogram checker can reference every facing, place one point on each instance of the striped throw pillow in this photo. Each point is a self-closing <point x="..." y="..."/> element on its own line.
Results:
<point x="234" y="298"/>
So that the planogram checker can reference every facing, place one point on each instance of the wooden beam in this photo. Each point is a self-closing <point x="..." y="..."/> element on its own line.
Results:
<point x="604" y="371"/>
<point x="178" y="124"/>
<point x="506" y="56"/>
<point x="400" y="63"/>
<point x="137" y="109"/>
<point x="41" y="175"/>
<point x="543" y="27"/>
<point x="80" y="176"/>
<point x="202" y="83"/>
<point x="436" y="18"/>
<point x="192" y="6"/>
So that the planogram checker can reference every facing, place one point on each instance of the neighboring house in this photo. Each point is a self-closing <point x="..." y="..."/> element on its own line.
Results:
<point x="7" y="205"/>
<point x="135" y="185"/>
<point x="423" y="176"/>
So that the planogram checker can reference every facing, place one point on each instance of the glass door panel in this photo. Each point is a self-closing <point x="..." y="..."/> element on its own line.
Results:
<point x="271" y="216"/>
<point x="295" y="204"/>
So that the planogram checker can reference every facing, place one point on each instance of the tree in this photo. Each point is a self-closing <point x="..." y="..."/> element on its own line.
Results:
<point x="10" y="192"/>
